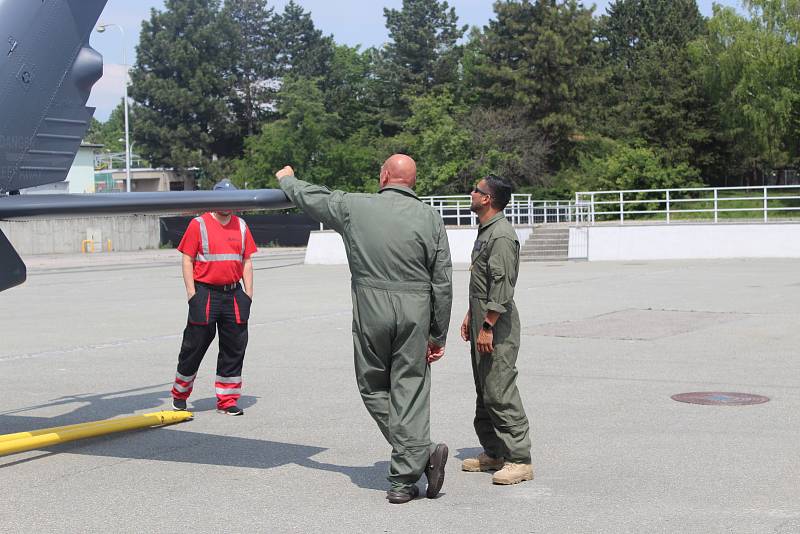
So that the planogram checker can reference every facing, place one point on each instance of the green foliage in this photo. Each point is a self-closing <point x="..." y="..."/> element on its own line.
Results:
<point x="650" y="94"/>
<point x="434" y="138"/>
<point x="630" y="27"/>
<point x="302" y="49"/>
<point x="656" y="92"/>
<point x="422" y="54"/>
<point x="110" y="134"/>
<point x="252" y="27"/>
<point x="182" y="85"/>
<point x="422" y="50"/>
<point x="541" y="58"/>
<point x="309" y="138"/>
<point x="349" y="89"/>
<point x="604" y="164"/>
<point x="752" y="67"/>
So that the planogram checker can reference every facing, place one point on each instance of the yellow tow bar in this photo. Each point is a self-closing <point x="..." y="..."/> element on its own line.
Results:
<point x="37" y="439"/>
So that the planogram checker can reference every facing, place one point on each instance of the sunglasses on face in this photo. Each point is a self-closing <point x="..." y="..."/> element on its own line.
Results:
<point x="477" y="189"/>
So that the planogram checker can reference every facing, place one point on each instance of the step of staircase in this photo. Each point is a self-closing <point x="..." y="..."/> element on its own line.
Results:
<point x="546" y="243"/>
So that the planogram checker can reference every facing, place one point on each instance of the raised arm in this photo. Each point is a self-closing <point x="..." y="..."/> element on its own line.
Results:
<point x="319" y="202"/>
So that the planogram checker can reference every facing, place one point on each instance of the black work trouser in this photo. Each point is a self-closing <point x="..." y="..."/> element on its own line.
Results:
<point x="210" y="311"/>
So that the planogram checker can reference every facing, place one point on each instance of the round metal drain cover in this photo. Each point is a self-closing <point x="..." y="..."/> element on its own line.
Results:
<point x="720" y="398"/>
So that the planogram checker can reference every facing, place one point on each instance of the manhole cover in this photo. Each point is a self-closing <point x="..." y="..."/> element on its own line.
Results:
<point x="720" y="398"/>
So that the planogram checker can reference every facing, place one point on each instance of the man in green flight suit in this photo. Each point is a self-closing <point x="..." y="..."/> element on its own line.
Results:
<point x="402" y="292"/>
<point x="492" y="328"/>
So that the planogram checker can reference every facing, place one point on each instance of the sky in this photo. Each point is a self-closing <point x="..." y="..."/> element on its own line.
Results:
<point x="351" y="22"/>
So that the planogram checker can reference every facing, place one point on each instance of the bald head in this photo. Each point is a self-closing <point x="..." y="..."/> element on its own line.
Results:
<point x="399" y="169"/>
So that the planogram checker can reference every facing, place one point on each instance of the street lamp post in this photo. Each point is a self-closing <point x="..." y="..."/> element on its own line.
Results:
<point x="100" y="29"/>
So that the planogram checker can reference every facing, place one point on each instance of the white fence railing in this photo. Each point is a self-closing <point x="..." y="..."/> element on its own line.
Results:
<point x="692" y="204"/>
<point x="521" y="210"/>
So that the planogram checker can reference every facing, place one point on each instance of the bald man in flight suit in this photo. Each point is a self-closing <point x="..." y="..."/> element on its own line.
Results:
<point x="401" y="271"/>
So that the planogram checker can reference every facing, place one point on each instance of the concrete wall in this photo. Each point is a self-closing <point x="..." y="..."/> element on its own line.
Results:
<point x="64" y="235"/>
<point x="692" y="241"/>
<point x="327" y="248"/>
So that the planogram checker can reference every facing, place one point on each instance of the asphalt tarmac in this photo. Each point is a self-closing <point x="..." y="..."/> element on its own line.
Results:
<point x="605" y="347"/>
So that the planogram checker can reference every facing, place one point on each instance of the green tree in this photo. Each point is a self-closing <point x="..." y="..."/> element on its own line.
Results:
<point x="440" y="145"/>
<point x="504" y="142"/>
<point x="309" y="138"/>
<point x="632" y="26"/>
<point x="422" y="49"/>
<point x="656" y="92"/>
<point x="752" y="65"/>
<point x="422" y="54"/>
<point x="303" y="51"/>
<point x="181" y="84"/>
<point x="541" y="58"/>
<point x="111" y="133"/>
<point x="611" y="165"/>
<point x="255" y="44"/>
<point x="349" y="90"/>
<point x="455" y="146"/>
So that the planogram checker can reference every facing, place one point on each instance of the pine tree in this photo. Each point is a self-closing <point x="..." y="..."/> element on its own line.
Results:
<point x="182" y="86"/>
<point x="656" y="93"/>
<point x="255" y="43"/>
<point x="538" y="56"/>
<point x="303" y="50"/>
<point x="422" y="49"/>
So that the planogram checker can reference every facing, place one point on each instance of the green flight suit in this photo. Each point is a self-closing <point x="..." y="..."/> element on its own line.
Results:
<point x="402" y="291"/>
<point x="500" y="420"/>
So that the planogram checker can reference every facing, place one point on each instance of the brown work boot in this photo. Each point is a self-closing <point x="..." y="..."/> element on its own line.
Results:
<point x="483" y="462"/>
<point x="513" y="474"/>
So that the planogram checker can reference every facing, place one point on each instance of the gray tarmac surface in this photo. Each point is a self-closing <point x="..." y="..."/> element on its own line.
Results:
<point x="605" y="346"/>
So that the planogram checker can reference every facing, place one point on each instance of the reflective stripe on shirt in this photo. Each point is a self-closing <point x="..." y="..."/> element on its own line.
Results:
<point x="205" y="257"/>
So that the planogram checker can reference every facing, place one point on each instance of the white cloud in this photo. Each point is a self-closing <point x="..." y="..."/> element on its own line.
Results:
<point x="108" y="91"/>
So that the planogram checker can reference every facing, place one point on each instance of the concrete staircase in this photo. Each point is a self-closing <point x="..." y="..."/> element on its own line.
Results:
<point x="548" y="242"/>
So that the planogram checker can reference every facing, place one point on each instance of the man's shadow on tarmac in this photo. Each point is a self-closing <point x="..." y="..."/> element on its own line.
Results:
<point x="161" y="444"/>
<point x="367" y="477"/>
<point x="173" y="444"/>
<point x="96" y="407"/>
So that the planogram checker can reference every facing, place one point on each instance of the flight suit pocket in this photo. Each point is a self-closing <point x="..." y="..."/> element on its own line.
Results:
<point x="199" y="306"/>
<point x="477" y="249"/>
<point x="242" y="303"/>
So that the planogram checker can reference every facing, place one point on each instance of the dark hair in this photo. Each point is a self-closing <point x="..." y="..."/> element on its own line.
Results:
<point x="500" y="189"/>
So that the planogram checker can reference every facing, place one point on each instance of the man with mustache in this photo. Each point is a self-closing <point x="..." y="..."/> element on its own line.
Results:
<point x="493" y="330"/>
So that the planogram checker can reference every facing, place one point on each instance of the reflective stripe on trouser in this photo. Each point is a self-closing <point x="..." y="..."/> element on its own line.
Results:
<point x="390" y="336"/>
<point x="183" y="385"/>
<point x="228" y="390"/>
<point x="500" y="420"/>
<point x="233" y="339"/>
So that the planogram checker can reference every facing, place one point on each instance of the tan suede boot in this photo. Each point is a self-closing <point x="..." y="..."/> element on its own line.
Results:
<point x="483" y="462"/>
<point x="513" y="474"/>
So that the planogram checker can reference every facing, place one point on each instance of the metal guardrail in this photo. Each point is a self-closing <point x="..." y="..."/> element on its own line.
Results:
<point x="696" y="204"/>
<point x="522" y="210"/>
<point x="690" y="204"/>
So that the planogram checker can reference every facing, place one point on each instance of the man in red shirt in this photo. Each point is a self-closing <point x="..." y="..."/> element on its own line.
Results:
<point x="217" y="249"/>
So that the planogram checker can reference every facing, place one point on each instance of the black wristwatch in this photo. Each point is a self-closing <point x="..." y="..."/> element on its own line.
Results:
<point x="487" y="325"/>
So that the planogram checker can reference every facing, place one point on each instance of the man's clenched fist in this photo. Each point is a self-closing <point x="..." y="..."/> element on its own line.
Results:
<point x="284" y="172"/>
